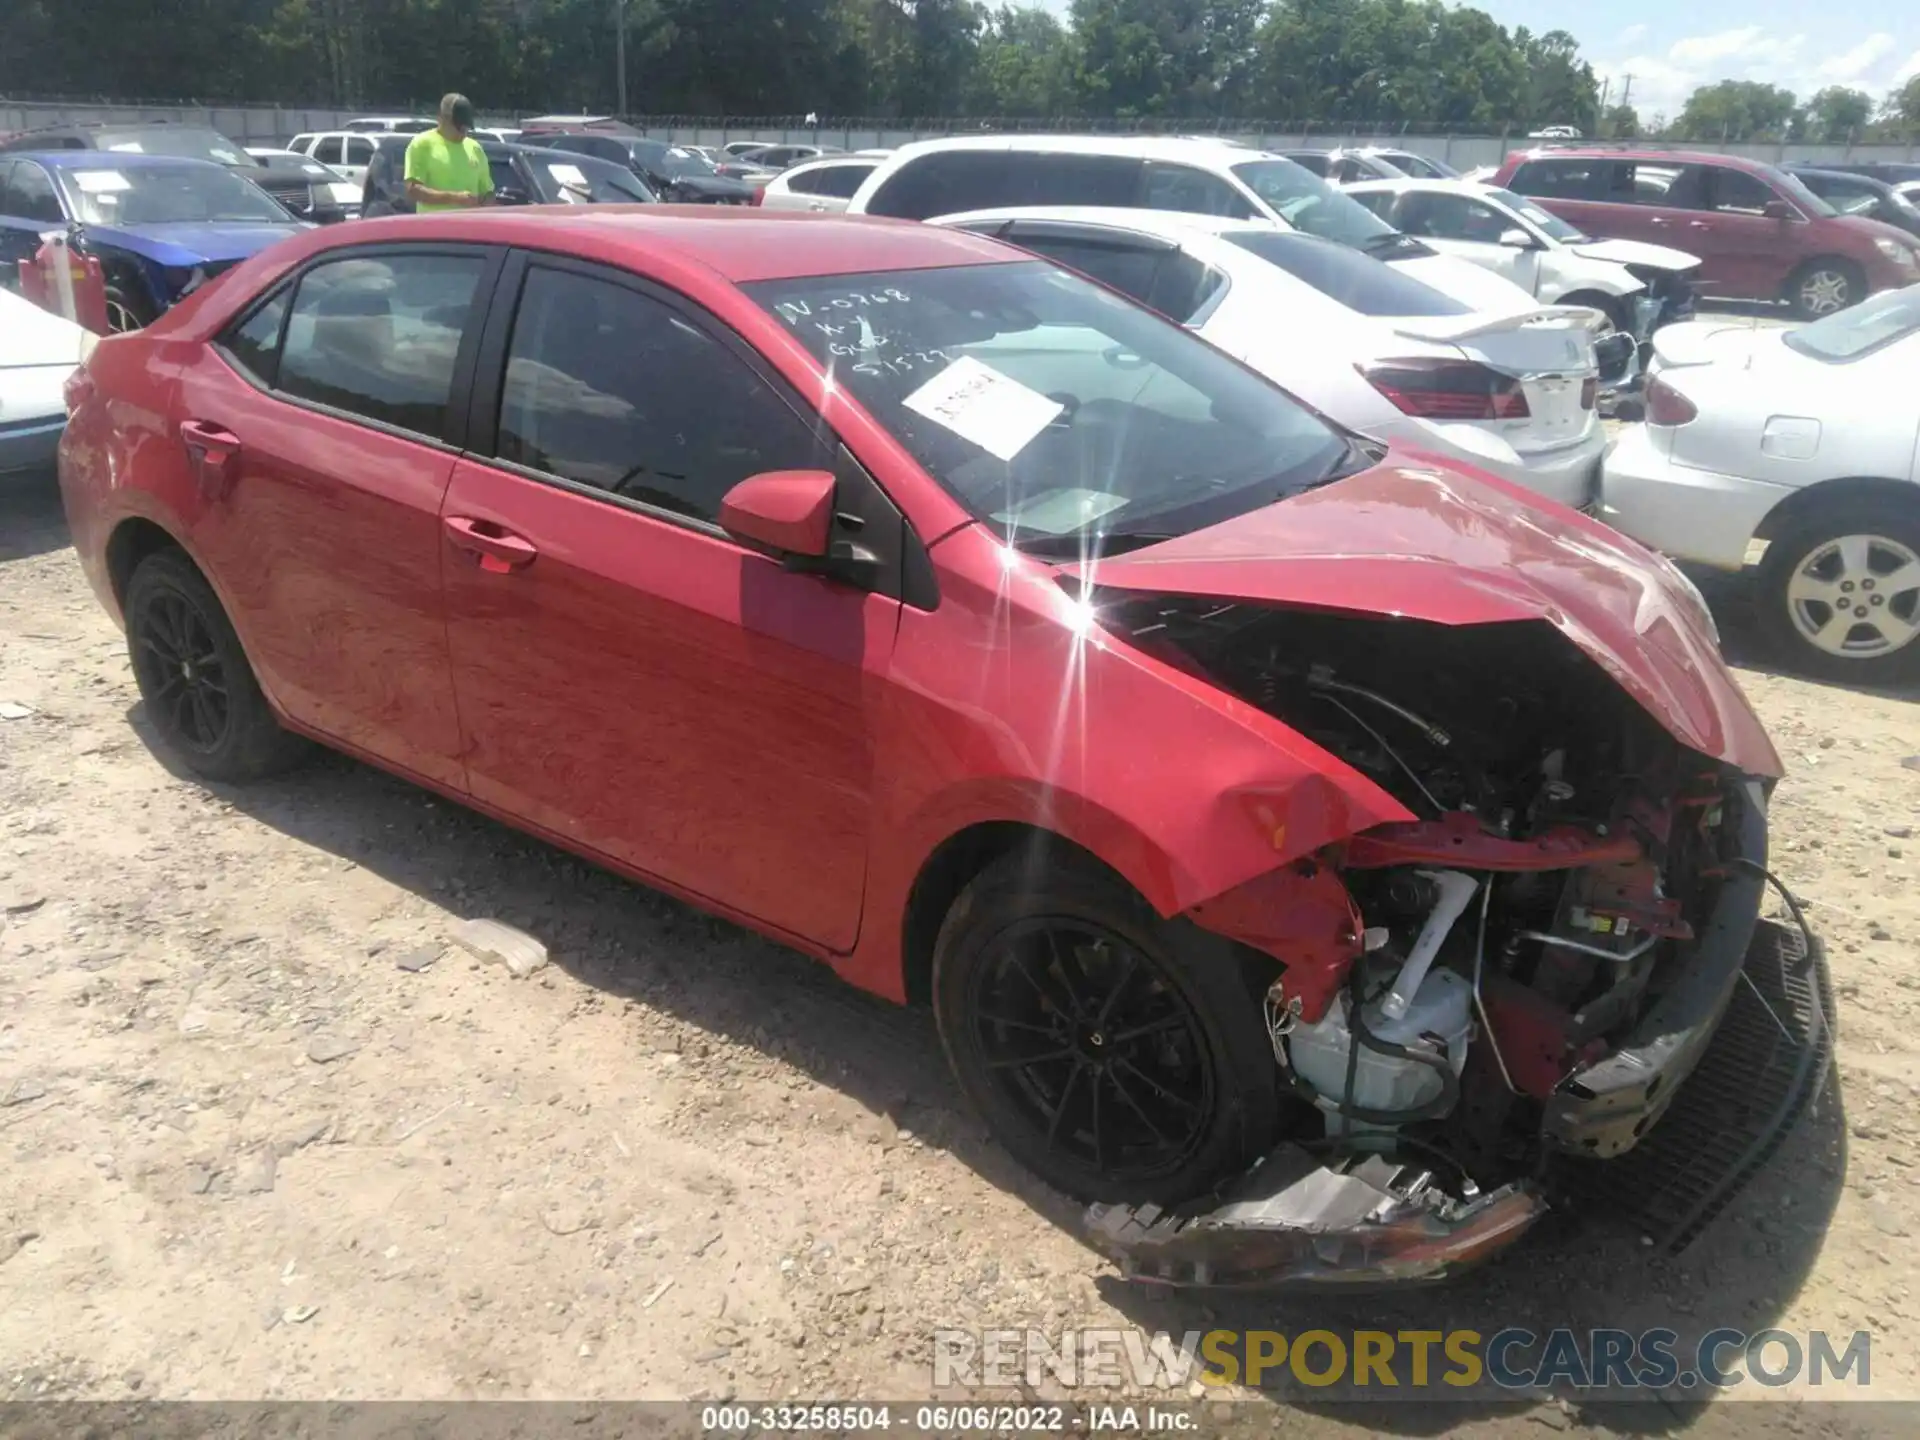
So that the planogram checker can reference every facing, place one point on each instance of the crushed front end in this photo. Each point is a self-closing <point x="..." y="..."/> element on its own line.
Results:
<point x="1480" y="1012"/>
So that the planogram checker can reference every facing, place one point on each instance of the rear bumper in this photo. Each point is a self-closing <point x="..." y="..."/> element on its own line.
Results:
<point x="1569" y="474"/>
<point x="1699" y="515"/>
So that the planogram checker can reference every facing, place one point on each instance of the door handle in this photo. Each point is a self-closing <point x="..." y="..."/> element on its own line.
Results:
<point x="215" y="454"/>
<point x="497" y="548"/>
<point x="1657" y="220"/>
<point x="1698" y="225"/>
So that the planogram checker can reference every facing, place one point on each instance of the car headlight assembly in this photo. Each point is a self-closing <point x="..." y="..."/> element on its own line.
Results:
<point x="1896" y="252"/>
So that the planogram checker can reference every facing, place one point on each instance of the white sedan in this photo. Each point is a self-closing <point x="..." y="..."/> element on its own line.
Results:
<point x="1636" y="285"/>
<point x="1795" y="450"/>
<point x="1364" y="342"/>
<point x="38" y="350"/>
<point x="820" y="185"/>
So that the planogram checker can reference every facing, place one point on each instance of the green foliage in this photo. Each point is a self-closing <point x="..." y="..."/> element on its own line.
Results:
<point x="1737" y="110"/>
<point x="1836" y="115"/>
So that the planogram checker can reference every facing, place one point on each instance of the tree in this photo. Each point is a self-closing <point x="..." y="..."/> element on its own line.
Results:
<point x="1902" y="109"/>
<point x="1560" y="87"/>
<point x="1736" y="110"/>
<point x="1026" y="65"/>
<point x="1835" y="115"/>
<point x="1619" y="122"/>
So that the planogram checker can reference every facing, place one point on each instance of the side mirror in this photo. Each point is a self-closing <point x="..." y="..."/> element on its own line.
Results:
<point x="1779" y="210"/>
<point x="1516" y="239"/>
<point x="787" y="511"/>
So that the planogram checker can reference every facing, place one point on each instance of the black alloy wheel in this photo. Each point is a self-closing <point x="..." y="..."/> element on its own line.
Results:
<point x="181" y="673"/>
<point x="1094" y="1047"/>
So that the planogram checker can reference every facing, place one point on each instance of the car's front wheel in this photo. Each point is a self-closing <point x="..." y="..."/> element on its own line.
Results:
<point x="199" y="690"/>
<point x="1118" y="1055"/>
<point x="1839" y="595"/>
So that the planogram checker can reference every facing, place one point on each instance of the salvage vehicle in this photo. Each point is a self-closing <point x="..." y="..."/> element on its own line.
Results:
<point x="1370" y="162"/>
<point x="1313" y="836"/>
<point x="1760" y="234"/>
<point x="826" y="185"/>
<point x="308" y="189"/>
<point x="522" y="175"/>
<point x="1391" y="357"/>
<point x="1195" y="176"/>
<point x="143" y="137"/>
<point x="674" y="172"/>
<point x="1805" y="441"/>
<point x="160" y="227"/>
<point x="1637" y="286"/>
<point x="38" y="351"/>
<point x="349" y="153"/>
<point x="1860" y="195"/>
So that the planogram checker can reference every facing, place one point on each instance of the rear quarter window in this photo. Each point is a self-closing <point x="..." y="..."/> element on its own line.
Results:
<point x="1565" y="179"/>
<point x="1359" y="282"/>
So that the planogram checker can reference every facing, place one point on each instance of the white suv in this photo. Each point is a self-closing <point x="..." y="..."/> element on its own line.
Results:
<point x="822" y="185"/>
<point x="1195" y="176"/>
<point x="349" y="152"/>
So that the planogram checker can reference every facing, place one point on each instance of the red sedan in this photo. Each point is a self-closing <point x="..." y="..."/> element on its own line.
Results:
<point x="1263" y="815"/>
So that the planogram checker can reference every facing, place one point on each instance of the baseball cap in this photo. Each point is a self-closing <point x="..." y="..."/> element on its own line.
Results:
<point x="458" y="109"/>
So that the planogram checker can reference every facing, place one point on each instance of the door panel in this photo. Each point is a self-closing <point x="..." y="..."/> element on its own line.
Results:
<point x="1744" y="253"/>
<point x="328" y="547"/>
<point x="643" y="686"/>
<point x="671" y="700"/>
<point x="325" y="532"/>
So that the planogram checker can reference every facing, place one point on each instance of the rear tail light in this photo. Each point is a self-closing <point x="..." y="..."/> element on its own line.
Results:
<point x="1666" y="405"/>
<point x="1439" y="389"/>
<point x="1589" y="392"/>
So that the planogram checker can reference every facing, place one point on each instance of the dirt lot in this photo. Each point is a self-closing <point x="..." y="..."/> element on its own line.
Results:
<point x="246" y="1151"/>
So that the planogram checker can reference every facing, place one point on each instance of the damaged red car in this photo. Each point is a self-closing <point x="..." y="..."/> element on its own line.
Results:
<point x="1318" y="859"/>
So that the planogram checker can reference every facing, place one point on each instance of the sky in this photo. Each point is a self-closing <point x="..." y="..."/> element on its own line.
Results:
<point x="1668" y="49"/>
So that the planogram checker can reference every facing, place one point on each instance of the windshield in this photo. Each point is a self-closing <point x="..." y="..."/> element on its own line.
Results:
<point x="1422" y="167"/>
<point x="576" y="184"/>
<point x="1546" y="220"/>
<point x="1308" y="203"/>
<point x="167" y="194"/>
<point x="187" y="142"/>
<point x="1850" y="334"/>
<point x="677" y="163"/>
<point x="1061" y="415"/>
<point x="1797" y="189"/>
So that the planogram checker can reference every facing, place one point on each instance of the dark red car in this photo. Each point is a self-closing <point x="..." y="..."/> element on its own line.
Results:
<point x="1760" y="234"/>
<point x="1223" y="782"/>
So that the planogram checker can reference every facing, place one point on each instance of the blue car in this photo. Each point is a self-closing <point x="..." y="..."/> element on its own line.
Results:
<point x="160" y="225"/>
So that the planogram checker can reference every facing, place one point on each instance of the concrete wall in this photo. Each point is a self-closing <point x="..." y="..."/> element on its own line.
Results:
<point x="258" y="124"/>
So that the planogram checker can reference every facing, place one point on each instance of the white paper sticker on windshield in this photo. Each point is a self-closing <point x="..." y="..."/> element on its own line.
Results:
<point x="978" y="403"/>
<point x="129" y="147"/>
<point x="1060" y="512"/>
<point x="569" y="175"/>
<point x="100" y="182"/>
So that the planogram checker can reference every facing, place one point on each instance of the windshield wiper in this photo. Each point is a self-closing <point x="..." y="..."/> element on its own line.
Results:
<point x="1076" y="545"/>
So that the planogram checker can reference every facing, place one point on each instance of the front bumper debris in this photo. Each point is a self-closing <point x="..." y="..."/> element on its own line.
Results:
<point x="1292" y="1221"/>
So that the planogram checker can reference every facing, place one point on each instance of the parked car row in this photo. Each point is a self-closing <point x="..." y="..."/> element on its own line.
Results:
<point x="1302" y="827"/>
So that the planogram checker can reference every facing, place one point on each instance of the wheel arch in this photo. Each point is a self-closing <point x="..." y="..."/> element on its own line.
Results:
<point x="134" y="538"/>
<point x="1862" y="491"/>
<point x="949" y="869"/>
<point x="1812" y="262"/>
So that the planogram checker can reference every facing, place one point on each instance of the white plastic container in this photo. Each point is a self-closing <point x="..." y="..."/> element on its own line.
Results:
<point x="1442" y="1006"/>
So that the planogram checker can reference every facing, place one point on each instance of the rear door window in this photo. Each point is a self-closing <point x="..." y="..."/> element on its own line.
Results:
<point x="378" y="336"/>
<point x="359" y="151"/>
<point x="1568" y="178"/>
<point x="1194" y="192"/>
<point x="946" y="183"/>
<point x="327" y="150"/>
<point x="840" y="181"/>
<point x="1065" y="179"/>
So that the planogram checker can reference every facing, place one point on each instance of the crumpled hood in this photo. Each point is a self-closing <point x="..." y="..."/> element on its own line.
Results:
<point x="1636" y="252"/>
<point x="184" y="243"/>
<point x="1438" y="544"/>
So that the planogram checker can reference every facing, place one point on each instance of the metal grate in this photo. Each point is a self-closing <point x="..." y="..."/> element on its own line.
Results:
<point x="1765" y="1063"/>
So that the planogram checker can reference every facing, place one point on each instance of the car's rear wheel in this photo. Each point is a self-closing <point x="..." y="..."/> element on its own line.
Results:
<point x="200" y="692"/>
<point x="1118" y="1055"/>
<point x="1822" y="287"/>
<point x="1840" y="596"/>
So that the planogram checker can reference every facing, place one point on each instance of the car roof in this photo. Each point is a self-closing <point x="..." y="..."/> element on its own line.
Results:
<point x="1872" y="181"/>
<point x="1449" y="186"/>
<point x="1654" y="157"/>
<point x="823" y="162"/>
<point x="1145" y="147"/>
<point x="106" y="159"/>
<point x="738" y="244"/>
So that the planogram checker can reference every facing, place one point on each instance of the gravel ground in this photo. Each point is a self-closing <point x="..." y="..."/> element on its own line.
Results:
<point x="250" y="1147"/>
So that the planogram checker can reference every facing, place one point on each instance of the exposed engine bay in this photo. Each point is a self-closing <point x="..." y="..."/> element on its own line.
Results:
<point x="1576" y="880"/>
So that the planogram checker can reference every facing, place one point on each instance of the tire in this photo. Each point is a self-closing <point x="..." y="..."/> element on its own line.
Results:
<point x="127" y="309"/>
<point x="1188" y="1100"/>
<point x="210" y="716"/>
<point x="1828" y="562"/>
<point x="1824" y="287"/>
